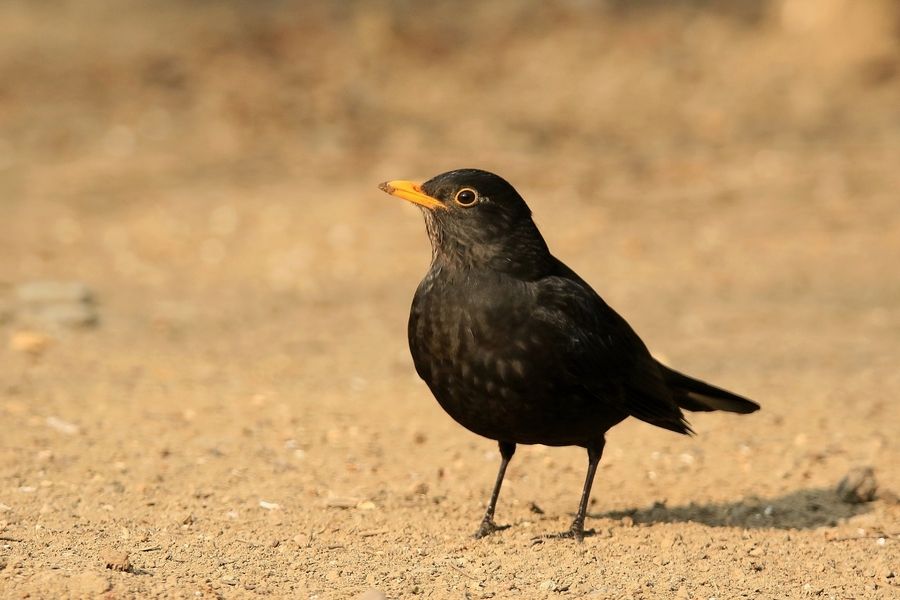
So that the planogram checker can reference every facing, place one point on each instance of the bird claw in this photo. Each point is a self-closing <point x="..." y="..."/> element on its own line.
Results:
<point x="574" y="533"/>
<point x="487" y="528"/>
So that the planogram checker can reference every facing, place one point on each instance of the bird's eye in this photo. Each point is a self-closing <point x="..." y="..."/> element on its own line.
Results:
<point x="466" y="197"/>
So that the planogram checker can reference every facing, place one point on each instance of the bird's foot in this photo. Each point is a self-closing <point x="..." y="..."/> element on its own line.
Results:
<point x="487" y="528"/>
<point x="575" y="532"/>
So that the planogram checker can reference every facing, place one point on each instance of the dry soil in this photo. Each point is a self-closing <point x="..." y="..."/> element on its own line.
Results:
<point x="243" y="418"/>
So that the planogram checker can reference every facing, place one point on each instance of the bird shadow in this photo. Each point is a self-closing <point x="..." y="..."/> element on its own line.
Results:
<point x="801" y="509"/>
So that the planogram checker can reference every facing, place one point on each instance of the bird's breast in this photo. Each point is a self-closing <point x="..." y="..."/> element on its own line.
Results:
<point x="471" y="344"/>
<point x="464" y="335"/>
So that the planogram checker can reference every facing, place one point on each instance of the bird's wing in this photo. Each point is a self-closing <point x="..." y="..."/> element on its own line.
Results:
<point x="598" y="350"/>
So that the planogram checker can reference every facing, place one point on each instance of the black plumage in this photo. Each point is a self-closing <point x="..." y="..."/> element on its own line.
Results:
<point x="518" y="348"/>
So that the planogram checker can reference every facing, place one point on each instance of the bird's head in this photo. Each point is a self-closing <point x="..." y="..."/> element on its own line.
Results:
<point x="476" y="217"/>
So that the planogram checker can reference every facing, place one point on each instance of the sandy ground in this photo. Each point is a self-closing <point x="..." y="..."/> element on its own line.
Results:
<point x="244" y="420"/>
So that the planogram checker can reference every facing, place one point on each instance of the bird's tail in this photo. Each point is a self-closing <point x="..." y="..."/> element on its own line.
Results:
<point x="693" y="394"/>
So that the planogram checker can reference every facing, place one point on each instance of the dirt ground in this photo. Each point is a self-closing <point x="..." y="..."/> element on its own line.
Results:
<point x="243" y="418"/>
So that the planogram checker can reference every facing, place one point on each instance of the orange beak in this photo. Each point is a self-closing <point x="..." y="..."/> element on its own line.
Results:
<point x="411" y="192"/>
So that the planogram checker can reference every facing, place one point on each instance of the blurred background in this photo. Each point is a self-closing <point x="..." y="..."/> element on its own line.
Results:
<point x="196" y="180"/>
<point x="262" y="112"/>
<point x="225" y="137"/>
<point x="171" y="151"/>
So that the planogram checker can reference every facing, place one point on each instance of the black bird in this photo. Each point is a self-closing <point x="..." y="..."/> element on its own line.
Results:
<point x="518" y="348"/>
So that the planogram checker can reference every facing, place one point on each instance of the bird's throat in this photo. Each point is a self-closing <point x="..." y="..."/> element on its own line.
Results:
<point x="520" y="252"/>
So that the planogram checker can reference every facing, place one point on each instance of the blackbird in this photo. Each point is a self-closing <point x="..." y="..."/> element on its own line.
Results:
<point x="518" y="348"/>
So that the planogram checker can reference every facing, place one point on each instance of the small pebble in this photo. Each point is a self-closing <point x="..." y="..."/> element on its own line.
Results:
<point x="858" y="486"/>
<point x="61" y="303"/>
<point x="341" y="502"/>
<point x="117" y="561"/>
<point x="29" y="342"/>
<point x="49" y="292"/>
<point x="62" y="426"/>
<point x="67" y="315"/>
<point x="419" y="488"/>
<point x="549" y="585"/>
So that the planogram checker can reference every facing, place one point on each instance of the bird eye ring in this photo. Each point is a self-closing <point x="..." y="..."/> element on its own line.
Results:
<point x="466" y="197"/>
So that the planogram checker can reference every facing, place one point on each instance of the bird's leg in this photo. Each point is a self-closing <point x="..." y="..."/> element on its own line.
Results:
<point x="576" y="531"/>
<point x="507" y="449"/>
<point x="595" y="451"/>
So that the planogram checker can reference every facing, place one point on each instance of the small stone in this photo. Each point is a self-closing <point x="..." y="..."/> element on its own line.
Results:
<point x="67" y="315"/>
<point x="341" y="502"/>
<point x="269" y="505"/>
<point x="29" y="342"/>
<point x="858" y="486"/>
<point x="117" y="561"/>
<point x="548" y="585"/>
<point x="62" y="426"/>
<point x="756" y="551"/>
<point x="419" y="489"/>
<point x="61" y="303"/>
<point x="51" y="292"/>
<point x="366" y="505"/>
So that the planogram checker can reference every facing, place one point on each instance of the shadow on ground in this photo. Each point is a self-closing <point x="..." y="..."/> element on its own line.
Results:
<point x="802" y="509"/>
